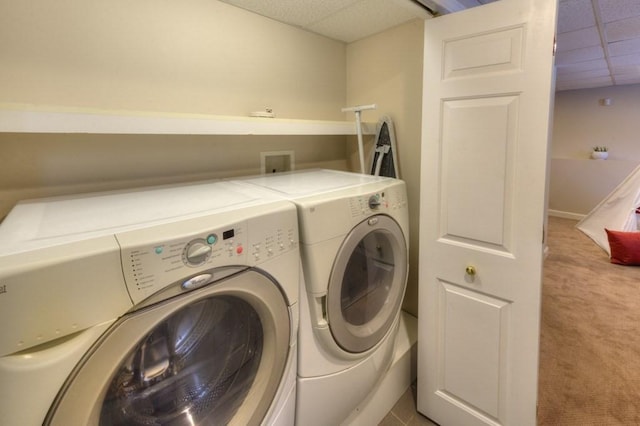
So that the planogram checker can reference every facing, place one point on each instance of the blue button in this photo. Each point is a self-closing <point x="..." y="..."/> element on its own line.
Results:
<point x="212" y="239"/>
<point x="158" y="249"/>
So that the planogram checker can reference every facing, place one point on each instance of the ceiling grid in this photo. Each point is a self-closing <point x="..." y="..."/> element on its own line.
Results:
<point x="598" y="43"/>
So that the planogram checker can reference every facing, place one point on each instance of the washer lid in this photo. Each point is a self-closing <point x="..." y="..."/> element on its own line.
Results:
<point x="52" y="221"/>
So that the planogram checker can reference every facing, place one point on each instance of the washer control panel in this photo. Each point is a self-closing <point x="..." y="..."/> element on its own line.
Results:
<point x="153" y="258"/>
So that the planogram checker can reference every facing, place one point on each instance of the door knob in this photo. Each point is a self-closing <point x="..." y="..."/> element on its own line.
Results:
<point x="470" y="270"/>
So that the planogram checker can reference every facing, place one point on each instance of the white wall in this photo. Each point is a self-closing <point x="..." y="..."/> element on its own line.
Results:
<point x="192" y="56"/>
<point x="386" y="69"/>
<point x="578" y="184"/>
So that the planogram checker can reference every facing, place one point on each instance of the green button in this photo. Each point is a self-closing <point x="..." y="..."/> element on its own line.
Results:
<point x="158" y="249"/>
<point x="211" y="239"/>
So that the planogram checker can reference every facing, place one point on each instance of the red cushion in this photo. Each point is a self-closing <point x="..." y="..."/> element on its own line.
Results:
<point x="625" y="247"/>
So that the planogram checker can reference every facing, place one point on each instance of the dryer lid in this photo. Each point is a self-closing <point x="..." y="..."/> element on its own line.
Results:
<point x="311" y="182"/>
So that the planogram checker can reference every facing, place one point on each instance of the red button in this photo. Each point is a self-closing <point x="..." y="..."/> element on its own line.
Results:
<point x="239" y="250"/>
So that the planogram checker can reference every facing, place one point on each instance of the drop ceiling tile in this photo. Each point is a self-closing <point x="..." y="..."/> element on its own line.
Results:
<point x="364" y="18"/>
<point x="448" y="6"/>
<point x="625" y="60"/>
<point x="469" y="3"/>
<point x="595" y="79"/>
<point x="583" y="75"/>
<point x="295" y="12"/>
<point x="625" y="47"/>
<point x="579" y="55"/>
<point x="592" y="79"/>
<point x="623" y="30"/>
<point x="628" y="80"/>
<point x="626" y="69"/>
<point x="583" y="84"/>
<point x="571" y="40"/>
<point x="575" y="14"/>
<point x="583" y="66"/>
<point x="614" y="10"/>
<point x="473" y="3"/>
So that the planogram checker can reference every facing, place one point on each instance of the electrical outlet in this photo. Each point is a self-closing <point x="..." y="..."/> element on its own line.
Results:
<point x="276" y="161"/>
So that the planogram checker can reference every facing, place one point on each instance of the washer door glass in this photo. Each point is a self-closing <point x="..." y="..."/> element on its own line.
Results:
<point x="367" y="284"/>
<point x="195" y="367"/>
<point x="216" y="355"/>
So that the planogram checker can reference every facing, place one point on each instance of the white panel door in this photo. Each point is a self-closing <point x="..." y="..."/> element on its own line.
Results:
<point x="486" y="119"/>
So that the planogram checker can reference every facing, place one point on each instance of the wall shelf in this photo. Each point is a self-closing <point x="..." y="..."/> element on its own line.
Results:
<point x="17" y="120"/>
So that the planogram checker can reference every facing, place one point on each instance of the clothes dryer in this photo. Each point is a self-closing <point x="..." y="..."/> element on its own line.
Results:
<point x="168" y="305"/>
<point x="354" y="242"/>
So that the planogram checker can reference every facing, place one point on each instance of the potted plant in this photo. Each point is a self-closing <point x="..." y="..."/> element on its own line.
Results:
<point x="599" y="153"/>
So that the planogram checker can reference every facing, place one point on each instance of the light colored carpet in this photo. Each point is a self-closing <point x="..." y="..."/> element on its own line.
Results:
<point x="590" y="334"/>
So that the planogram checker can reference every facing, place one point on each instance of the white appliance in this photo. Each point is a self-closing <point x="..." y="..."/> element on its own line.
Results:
<point x="354" y="242"/>
<point x="166" y="305"/>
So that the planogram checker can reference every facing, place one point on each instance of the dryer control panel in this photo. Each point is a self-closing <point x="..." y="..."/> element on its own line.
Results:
<point x="155" y="257"/>
<point x="331" y="215"/>
<point x="388" y="200"/>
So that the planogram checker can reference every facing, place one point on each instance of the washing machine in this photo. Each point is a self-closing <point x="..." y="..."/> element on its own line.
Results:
<point x="354" y="243"/>
<point x="173" y="305"/>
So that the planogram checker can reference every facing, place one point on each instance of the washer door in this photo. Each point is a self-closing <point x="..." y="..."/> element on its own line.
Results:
<point x="215" y="355"/>
<point x="367" y="284"/>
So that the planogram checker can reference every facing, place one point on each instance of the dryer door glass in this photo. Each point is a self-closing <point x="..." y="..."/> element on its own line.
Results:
<point x="367" y="284"/>
<point x="196" y="367"/>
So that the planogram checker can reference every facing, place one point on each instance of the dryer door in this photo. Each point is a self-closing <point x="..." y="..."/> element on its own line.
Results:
<point x="367" y="284"/>
<point x="215" y="355"/>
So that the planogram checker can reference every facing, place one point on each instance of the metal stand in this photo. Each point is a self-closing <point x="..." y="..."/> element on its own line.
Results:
<point x="358" y="109"/>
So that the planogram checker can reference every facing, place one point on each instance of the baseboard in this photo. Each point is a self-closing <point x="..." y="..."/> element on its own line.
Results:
<point x="397" y="379"/>
<point x="565" y="215"/>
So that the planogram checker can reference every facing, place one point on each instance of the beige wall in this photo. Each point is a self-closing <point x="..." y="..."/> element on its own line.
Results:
<point x="200" y="56"/>
<point x="193" y="56"/>
<point x="386" y="69"/>
<point x="578" y="184"/>
<point x="45" y="165"/>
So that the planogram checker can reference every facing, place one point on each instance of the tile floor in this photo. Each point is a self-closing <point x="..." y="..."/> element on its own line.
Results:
<point x="404" y="413"/>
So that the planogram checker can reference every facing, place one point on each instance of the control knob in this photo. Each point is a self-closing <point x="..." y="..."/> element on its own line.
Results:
<point x="196" y="252"/>
<point x="374" y="202"/>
